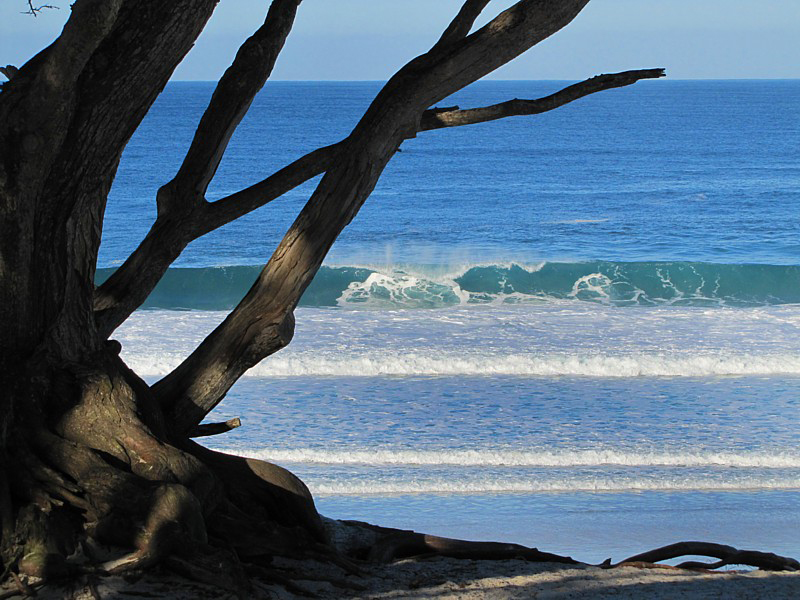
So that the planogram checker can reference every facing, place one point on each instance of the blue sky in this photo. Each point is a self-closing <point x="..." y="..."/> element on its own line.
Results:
<point x="369" y="39"/>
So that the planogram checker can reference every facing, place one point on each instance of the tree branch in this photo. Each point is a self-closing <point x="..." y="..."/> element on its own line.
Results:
<point x="183" y="213"/>
<point x="129" y="286"/>
<point x="10" y="71"/>
<point x="462" y="23"/>
<point x="236" y="205"/>
<point x="207" y="429"/>
<point x="231" y="99"/>
<point x="429" y="78"/>
<point x="454" y="117"/>
<point x="263" y="322"/>
<point x="89" y="23"/>
<point x="35" y="10"/>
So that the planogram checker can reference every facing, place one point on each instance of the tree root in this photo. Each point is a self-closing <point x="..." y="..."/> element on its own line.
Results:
<point x="411" y="544"/>
<point x="22" y="586"/>
<point x="727" y="555"/>
<point x="334" y="581"/>
<point x="284" y="580"/>
<point x="266" y="492"/>
<point x="33" y="587"/>
<point x="215" y="568"/>
<point x="70" y="484"/>
<point x="92" y="587"/>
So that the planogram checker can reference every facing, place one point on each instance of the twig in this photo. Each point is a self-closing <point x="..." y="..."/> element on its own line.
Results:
<point x="215" y="428"/>
<point x="34" y="10"/>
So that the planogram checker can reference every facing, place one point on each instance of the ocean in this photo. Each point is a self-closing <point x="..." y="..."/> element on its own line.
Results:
<point x="578" y="331"/>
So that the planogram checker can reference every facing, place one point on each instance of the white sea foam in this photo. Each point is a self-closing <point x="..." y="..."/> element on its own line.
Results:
<point x="380" y="487"/>
<point x="446" y="270"/>
<point x="387" y="471"/>
<point x="531" y="365"/>
<point x="400" y="290"/>
<point x="435" y="363"/>
<point x="554" y="339"/>
<point x="519" y="458"/>
<point x="576" y="221"/>
<point x="430" y="286"/>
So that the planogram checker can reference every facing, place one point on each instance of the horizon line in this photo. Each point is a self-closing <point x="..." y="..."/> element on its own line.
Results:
<point x="499" y="80"/>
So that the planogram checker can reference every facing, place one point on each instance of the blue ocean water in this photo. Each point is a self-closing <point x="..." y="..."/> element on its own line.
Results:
<point x="579" y="330"/>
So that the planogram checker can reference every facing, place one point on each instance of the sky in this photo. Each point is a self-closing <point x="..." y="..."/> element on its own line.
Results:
<point x="370" y="39"/>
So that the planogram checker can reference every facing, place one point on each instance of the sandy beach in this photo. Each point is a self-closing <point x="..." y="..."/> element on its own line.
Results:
<point x="447" y="578"/>
<point x="465" y="579"/>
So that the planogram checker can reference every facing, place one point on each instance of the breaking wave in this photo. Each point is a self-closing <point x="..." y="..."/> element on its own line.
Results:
<point x="428" y="286"/>
<point x="521" y="458"/>
<point x="566" y="484"/>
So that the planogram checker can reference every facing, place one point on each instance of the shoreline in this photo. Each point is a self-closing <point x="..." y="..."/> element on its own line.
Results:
<point x="588" y="526"/>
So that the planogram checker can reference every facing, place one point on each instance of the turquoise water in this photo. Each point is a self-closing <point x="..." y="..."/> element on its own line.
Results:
<point x="431" y="286"/>
<point x="579" y="331"/>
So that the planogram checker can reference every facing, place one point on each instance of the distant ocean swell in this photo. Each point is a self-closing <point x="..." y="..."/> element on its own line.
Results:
<point x="428" y="286"/>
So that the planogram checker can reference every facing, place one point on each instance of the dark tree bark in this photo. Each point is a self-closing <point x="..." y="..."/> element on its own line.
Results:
<point x="88" y="451"/>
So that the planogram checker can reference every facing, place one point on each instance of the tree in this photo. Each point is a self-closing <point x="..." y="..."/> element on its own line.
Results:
<point x="90" y="452"/>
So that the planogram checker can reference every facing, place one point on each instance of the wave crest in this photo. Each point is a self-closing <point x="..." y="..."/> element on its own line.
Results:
<point x="431" y="286"/>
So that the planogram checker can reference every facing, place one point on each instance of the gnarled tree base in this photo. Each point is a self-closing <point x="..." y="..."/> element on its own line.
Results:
<point x="92" y="483"/>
